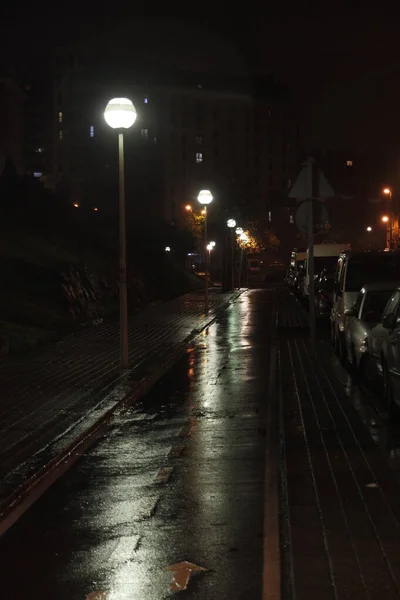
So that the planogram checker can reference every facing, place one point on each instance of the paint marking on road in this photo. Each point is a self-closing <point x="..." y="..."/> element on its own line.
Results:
<point x="125" y="548"/>
<point x="163" y="475"/>
<point x="181" y="575"/>
<point x="97" y="596"/>
<point x="147" y="508"/>
<point x="176" y="450"/>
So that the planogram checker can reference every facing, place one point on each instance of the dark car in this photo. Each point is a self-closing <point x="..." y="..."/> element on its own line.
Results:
<point x="324" y="294"/>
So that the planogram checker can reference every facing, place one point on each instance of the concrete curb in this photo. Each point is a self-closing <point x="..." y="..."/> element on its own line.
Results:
<point x="14" y="505"/>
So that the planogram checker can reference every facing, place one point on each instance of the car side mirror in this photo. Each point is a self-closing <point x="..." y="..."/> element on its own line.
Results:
<point x="350" y="312"/>
<point x="388" y="322"/>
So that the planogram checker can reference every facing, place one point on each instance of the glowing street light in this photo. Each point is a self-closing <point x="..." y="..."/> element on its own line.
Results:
<point x="389" y="233"/>
<point x="239" y="230"/>
<point x="167" y="249"/>
<point x="121" y="114"/>
<point x="212" y="244"/>
<point x="205" y="198"/>
<point x="188" y="207"/>
<point x="231" y="223"/>
<point x="369" y="229"/>
<point x="385" y="219"/>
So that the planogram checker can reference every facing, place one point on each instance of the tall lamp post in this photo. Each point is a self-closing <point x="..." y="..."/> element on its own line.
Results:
<point x="388" y="192"/>
<point x="243" y="237"/>
<point x="205" y="198"/>
<point x="232" y="224"/>
<point x="121" y="114"/>
<point x="239" y="232"/>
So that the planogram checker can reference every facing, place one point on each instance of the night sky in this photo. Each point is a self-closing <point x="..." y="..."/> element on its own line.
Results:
<point x="344" y="71"/>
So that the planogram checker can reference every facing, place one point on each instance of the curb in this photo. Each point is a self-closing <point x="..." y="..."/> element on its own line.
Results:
<point x="14" y="505"/>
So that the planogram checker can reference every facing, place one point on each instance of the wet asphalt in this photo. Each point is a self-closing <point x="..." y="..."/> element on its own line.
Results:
<point x="179" y="477"/>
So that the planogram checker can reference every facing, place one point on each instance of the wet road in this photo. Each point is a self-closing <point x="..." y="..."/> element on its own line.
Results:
<point x="178" y="478"/>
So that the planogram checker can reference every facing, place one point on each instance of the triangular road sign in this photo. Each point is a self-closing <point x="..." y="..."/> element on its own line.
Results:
<point x="311" y="183"/>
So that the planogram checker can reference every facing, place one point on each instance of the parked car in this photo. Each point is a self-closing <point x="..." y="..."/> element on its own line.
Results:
<point x="325" y="257"/>
<point x="384" y="349"/>
<point x="324" y="294"/>
<point x="363" y="316"/>
<point x="354" y="271"/>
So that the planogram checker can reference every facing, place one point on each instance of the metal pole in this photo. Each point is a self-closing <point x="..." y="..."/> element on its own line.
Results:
<point x="123" y="292"/>
<point x="240" y="268"/>
<point x="205" y="263"/>
<point x="233" y="258"/>
<point x="391" y="223"/>
<point x="310" y="268"/>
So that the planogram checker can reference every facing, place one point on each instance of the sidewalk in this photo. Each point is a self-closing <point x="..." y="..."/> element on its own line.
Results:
<point x="64" y="389"/>
<point x="341" y="508"/>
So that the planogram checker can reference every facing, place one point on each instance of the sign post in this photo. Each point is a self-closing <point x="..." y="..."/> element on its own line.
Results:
<point x="309" y="189"/>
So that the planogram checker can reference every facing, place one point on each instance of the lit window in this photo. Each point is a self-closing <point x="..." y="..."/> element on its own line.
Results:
<point x="60" y="135"/>
<point x="349" y="163"/>
<point x="291" y="219"/>
<point x="270" y="216"/>
<point x="199" y="157"/>
<point x="144" y="133"/>
<point x="37" y="174"/>
<point x="146" y="100"/>
<point x="91" y="131"/>
<point x="60" y="117"/>
<point x="199" y="140"/>
<point x="39" y="150"/>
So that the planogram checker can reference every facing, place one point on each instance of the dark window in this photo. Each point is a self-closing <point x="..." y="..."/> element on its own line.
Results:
<point x="374" y="304"/>
<point x="376" y="268"/>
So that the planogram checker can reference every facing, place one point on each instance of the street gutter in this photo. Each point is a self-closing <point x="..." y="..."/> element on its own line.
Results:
<point x="76" y="440"/>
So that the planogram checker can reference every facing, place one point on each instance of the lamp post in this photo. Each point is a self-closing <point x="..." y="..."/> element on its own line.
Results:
<point x="205" y="198"/>
<point x="121" y="114"/>
<point x="232" y="224"/>
<point x="243" y="238"/>
<point x="388" y="192"/>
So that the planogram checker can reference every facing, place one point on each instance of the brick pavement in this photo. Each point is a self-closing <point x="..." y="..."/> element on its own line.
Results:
<point x="341" y="500"/>
<point x="44" y="395"/>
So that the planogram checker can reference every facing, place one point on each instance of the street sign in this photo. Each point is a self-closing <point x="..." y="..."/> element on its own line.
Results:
<point x="319" y="216"/>
<point x="311" y="183"/>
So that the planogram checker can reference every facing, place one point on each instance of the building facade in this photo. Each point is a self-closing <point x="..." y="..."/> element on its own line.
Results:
<point x="199" y="125"/>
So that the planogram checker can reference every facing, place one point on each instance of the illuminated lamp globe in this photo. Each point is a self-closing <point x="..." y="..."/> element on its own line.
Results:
<point x="231" y="223"/>
<point x="205" y="197"/>
<point x="120" y="113"/>
<point x="239" y="231"/>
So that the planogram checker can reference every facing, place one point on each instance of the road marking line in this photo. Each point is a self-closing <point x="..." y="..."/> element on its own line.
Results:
<point x="163" y="475"/>
<point x="125" y="548"/>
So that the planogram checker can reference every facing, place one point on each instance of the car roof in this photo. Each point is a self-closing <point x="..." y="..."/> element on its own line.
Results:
<point x="378" y="286"/>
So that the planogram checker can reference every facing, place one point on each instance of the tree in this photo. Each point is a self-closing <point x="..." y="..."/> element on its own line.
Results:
<point x="194" y="222"/>
<point x="257" y="240"/>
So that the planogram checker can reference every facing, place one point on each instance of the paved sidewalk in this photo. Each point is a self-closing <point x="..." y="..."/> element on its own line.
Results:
<point x="67" y="386"/>
<point x="289" y="312"/>
<point x="342" y="526"/>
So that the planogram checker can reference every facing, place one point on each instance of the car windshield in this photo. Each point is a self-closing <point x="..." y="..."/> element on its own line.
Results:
<point x="375" y="302"/>
<point x="369" y="269"/>
<point x="324" y="262"/>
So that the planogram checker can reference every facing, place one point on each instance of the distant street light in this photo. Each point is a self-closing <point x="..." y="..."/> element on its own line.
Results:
<point x="389" y="241"/>
<point x="231" y="223"/>
<point x="212" y="244"/>
<point x="188" y="207"/>
<point x="385" y="218"/>
<point x="121" y="114"/>
<point x="167" y="249"/>
<point x="369" y="229"/>
<point x="205" y="198"/>
<point x="239" y="231"/>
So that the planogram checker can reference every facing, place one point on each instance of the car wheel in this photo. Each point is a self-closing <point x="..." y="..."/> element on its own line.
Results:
<point x="388" y="393"/>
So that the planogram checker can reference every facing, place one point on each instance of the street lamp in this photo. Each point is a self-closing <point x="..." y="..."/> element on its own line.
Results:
<point x="167" y="249"/>
<point x="244" y="238"/>
<point x="188" y="207"/>
<point x="385" y="219"/>
<point x="121" y="114"/>
<point x="231" y="223"/>
<point x="205" y="198"/>
<point x="388" y="192"/>
<point x="239" y="231"/>
<point x="369" y="229"/>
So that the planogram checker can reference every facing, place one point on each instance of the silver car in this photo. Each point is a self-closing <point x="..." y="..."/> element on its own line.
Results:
<point x="362" y="317"/>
